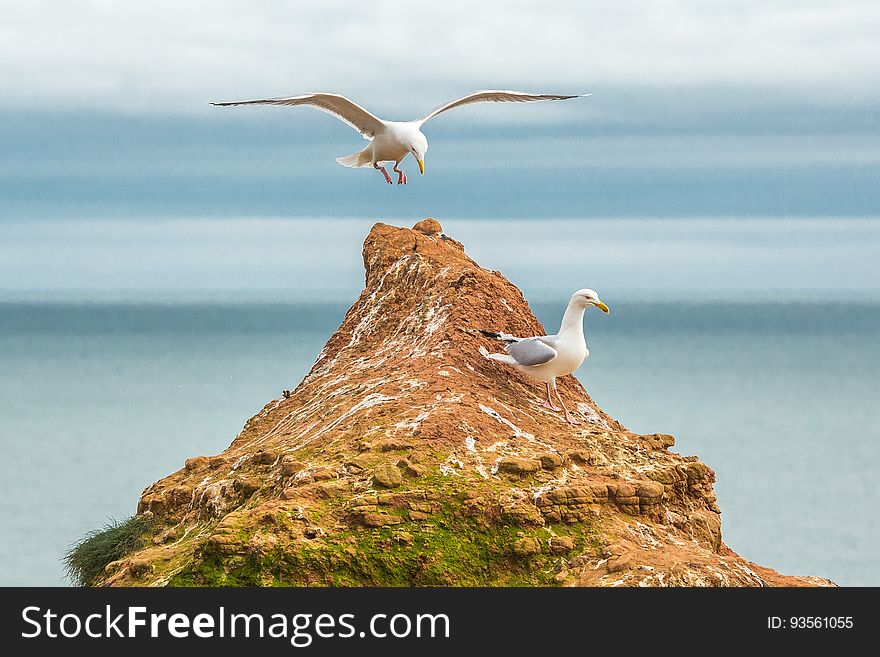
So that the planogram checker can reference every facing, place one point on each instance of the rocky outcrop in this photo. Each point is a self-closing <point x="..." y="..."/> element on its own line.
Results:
<point x="405" y="458"/>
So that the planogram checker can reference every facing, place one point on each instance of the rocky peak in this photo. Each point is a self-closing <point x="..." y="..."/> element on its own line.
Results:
<point x="406" y="458"/>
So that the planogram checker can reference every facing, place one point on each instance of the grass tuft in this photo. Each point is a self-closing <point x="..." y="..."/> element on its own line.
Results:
<point x="87" y="558"/>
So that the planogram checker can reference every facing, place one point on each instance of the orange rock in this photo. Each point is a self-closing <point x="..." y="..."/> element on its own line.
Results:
<point x="429" y="226"/>
<point x="401" y="389"/>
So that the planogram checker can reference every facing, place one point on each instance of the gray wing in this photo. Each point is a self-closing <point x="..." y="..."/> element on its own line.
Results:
<point x="341" y="107"/>
<point x="496" y="96"/>
<point x="549" y="340"/>
<point x="532" y="351"/>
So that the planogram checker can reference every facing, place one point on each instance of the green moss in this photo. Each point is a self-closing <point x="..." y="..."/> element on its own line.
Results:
<point x="86" y="559"/>
<point x="445" y="550"/>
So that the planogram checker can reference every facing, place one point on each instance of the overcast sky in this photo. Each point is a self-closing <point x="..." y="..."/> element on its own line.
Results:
<point x="758" y="107"/>
<point x="172" y="56"/>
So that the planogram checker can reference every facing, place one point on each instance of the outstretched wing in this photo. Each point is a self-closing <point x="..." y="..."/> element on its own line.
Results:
<point x="531" y="351"/>
<point x="339" y="106"/>
<point x="496" y="96"/>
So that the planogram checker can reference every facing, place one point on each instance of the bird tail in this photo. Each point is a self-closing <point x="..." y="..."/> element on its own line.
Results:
<point x="501" y="358"/>
<point x="360" y="159"/>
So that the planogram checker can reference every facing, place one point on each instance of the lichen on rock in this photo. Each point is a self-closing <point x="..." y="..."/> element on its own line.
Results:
<point x="404" y="458"/>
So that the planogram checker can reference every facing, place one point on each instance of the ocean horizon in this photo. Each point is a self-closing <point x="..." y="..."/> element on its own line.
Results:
<point x="127" y="347"/>
<point x="293" y="259"/>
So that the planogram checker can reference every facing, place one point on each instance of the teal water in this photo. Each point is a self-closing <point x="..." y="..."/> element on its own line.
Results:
<point x="97" y="400"/>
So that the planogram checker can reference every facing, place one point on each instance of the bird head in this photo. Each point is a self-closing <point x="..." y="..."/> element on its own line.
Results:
<point x="418" y="147"/>
<point x="588" y="297"/>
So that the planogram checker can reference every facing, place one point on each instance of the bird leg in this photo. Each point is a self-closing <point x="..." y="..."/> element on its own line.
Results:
<point x="549" y="403"/>
<point x="568" y="416"/>
<point x="401" y="176"/>
<point x="384" y="173"/>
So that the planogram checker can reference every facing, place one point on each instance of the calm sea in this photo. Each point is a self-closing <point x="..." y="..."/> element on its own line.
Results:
<point x="97" y="400"/>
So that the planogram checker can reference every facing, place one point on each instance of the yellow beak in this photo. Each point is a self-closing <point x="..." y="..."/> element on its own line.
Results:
<point x="601" y="306"/>
<point x="421" y="167"/>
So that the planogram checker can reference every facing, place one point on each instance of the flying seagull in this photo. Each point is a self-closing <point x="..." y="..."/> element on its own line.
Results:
<point x="545" y="357"/>
<point x="390" y="141"/>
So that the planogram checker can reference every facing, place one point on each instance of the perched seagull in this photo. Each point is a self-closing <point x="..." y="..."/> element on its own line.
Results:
<point x="546" y="357"/>
<point x="391" y="141"/>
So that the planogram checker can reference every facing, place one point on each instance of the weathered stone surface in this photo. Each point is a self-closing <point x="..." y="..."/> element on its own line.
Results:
<point x="518" y="466"/>
<point x="698" y="472"/>
<point x="322" y="473"/>
<point x="429" y="226"/>
<point x="381" y="519"/>
<point x="405" y="457"/>
<point x="617" y="563"/>
<point x="521" y="513"/>
<point x="649" y="492"/>
<point x="622" y="490"/>
<point x="290" y="465"/>
<point x="393" y="444"/>
<point x="247" y="485"/>
<point x="330" y="489"/>
<point x="357" y="464"/>
<point x="196" y="463"/>
<point x="527" y="546"/>
<point x="551" y="461"/>
<point x="140" y="567"/>
<point x="587" y="457"/>
<point x="264" y="457"/>
<point x="414" y="469"/>
<point x="664" y="475"/>
<point x="659" y="440"/>
<point x="387" y="476"/>
<point x="561" y="544"/>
